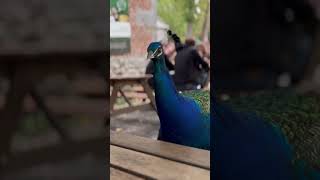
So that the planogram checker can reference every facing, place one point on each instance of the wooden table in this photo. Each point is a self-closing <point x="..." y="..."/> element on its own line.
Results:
<point x="25" y="72"/>
<point x="118" y="82"/>
<point x="40" y="39"/>
<point x="133" y="157"/>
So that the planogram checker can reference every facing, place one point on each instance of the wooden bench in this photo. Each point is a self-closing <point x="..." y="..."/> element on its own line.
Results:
<point x="94" y="108"/>
<point x="142" y="158"/>
<point x="119" y="82"/>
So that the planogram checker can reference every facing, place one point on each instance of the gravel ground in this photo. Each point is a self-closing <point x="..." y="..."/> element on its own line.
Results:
<point x="140" y="123"/>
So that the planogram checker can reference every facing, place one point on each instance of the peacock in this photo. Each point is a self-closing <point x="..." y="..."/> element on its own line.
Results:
<point x="269" y="135"/>
<point x="184" y="117"/>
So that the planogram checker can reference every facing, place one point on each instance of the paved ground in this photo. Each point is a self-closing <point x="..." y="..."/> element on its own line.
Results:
<point x="140" y="123"/>
<point x="87" y="167"/>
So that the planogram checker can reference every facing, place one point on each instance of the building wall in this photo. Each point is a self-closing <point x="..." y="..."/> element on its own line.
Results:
<point x="142" y="18"/>
<point x="141" y="15"/>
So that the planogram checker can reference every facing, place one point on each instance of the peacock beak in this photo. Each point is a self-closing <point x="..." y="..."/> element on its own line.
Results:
<point x="150" y="55"/>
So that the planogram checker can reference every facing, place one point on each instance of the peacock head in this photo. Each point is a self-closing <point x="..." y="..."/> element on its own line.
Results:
<point x="154" y="50"/>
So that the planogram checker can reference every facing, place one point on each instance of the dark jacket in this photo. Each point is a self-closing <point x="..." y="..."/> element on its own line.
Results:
<point x="190" y="69"/>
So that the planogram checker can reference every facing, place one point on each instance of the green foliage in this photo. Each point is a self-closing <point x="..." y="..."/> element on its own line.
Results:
<point x="178" y="13"/>
<point x="297" y="115"/>
<point x="120" y="5"/>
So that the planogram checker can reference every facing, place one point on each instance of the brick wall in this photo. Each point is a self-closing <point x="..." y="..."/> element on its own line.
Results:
<point x="141" y="35"/>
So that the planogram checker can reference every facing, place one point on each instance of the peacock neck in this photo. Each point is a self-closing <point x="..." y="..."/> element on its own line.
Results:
<point x="163" y="81"/>
<point x="160" y="66"/>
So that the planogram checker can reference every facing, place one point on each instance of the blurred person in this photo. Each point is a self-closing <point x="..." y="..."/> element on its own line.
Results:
<point x="189" y="42"/>
<point x="191" y="70"/>
<point x="169" y="51"/>
<point x="205" y="55"/>
<point x="257" y="45"/>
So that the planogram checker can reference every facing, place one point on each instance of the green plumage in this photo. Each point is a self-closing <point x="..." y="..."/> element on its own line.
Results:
<point x="298" y="116"/>
<point x="202" y="98"/>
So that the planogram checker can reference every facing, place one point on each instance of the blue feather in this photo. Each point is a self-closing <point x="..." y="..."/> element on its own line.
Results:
<point x="246" y="147"/>
<point x="181" y="118"/>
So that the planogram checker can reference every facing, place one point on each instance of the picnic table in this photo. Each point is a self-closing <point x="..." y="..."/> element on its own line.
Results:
<point x="133" y="157"/>
<point x="119" y="82"/>
<point x="41" y="39"/>
<point x="24" y="74"/>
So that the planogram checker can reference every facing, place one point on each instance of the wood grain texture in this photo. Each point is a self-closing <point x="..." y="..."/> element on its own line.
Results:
<point x="12" y="111"/>
<point x="188" y="155"/>
<point x="130" y="78"/>
<point x="149" y="92"/>
<point x="45" y="26"/>
<point x="119" y="82"/>
<point x="67" y="105"/>
<point x="154" y="167"/>
<point x="116" y="174"/>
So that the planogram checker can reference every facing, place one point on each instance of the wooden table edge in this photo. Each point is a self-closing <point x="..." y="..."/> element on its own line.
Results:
<point x="203" y="163"/>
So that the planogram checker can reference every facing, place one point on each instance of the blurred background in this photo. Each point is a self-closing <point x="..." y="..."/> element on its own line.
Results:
<point x="54" y="69"/>
<point x="266" y="44"/>
<point x="257" y="45"/>
<point x="133" y="26"/>
<point x="52" y="89"/>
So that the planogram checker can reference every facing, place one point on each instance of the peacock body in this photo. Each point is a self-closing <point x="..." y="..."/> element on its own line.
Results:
<point x="184" y="117"/>
<point x="271" y="135"/>
<point x="276" y="134"/>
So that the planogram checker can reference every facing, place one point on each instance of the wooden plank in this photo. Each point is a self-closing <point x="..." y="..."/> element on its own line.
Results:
<point x="76" y="25"/>
<point x="116" y="174"/>
<point x="130" y="78"/>
<point x="125" y="97"/>
<point x="67" y="105"/>
<point x="149" y="92"/>
<point x="187" y="155"/>
<point x="138" y="88"/>
<point x="126" y="82"/>
<point x="154" y="167"/>
<point x="43" y="106"/>
<point x="91" y="86"/>
<point x="114" y="96"/>
<point x="135" y="95"/>
<point x="13" y="107"/>
<point x="76" y="105"/>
